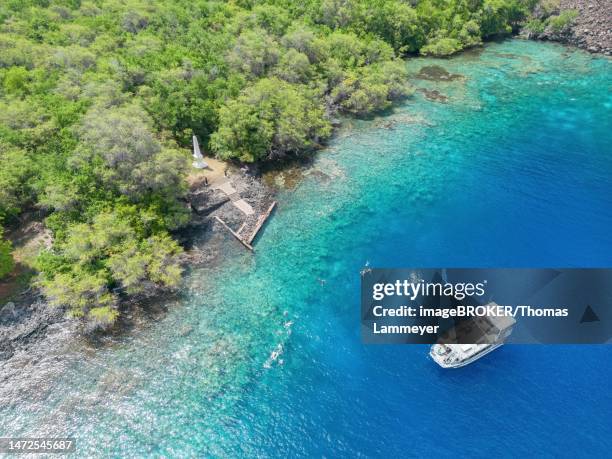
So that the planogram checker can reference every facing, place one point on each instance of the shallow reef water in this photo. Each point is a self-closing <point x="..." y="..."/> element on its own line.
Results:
<point x="262" y="357"/>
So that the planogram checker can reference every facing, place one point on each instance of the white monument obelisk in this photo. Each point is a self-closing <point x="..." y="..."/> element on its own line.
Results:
<point x="198" y="162"/>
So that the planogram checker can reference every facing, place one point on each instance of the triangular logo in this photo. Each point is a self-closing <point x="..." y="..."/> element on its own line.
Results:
<point x="589" y="315"/>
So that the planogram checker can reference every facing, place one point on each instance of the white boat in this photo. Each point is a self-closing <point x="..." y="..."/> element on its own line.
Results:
<point x="483" y="335"/>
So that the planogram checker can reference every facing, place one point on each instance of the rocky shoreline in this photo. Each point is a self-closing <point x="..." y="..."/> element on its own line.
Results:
<point x="590" y="30"/>
<point x="208" y="202"/>
<point x="28" y="319"/>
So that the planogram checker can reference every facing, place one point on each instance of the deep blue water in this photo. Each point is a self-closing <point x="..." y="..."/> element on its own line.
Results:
<point x="513" y="171"/>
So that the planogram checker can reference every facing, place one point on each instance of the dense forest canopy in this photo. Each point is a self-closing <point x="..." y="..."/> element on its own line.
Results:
<point x="99" y="99"/>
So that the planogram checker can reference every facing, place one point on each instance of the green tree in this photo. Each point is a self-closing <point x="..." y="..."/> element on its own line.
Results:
<point x="16" y="170"/>
<point x="294" y="67"/>
<point x="302" y="38"/>
<point x="118" y="145"/>
<point x="16" y="80"/>
<point x="395" y="22"/>
<point x="350" y="51"/>
<point x="85" y="293"/>
<point x="114" y="253"/>
<point x="338" y="13"/>
<point x="441" y="47"/>
<point x="270" y="118"/>
<point x="254" y="53"/>
<point x="372" y="88"/>
<point x="6" y="259"/>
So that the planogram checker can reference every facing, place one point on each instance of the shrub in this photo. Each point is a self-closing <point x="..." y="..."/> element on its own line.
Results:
<point x="559" y="23"/>
<point x="372" y="88"/>
<point x="535" y="26"/>
<point x="268" y="119"/>
<point x="6" y="259"/>
<point x="114" y="250"/>
<point x="441" y="47"/>
<point x="117" y="144"/>
<point x="16" y="169"/>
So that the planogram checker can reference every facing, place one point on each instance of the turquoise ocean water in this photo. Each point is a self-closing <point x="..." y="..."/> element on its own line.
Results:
<point x="263" y="356"/>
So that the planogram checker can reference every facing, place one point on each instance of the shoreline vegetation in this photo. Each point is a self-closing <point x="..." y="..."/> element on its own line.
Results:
<point x="100" y="99"/>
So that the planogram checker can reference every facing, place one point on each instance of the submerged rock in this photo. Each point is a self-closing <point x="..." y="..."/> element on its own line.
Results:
<point x="433" y="95"/>
<point x="409" y="118"/>
<point x="185" y="330"/>
<point x="437" y="73"/>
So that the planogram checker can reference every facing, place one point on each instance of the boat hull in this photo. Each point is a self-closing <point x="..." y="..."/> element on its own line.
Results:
<point x="467" y="361"/>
